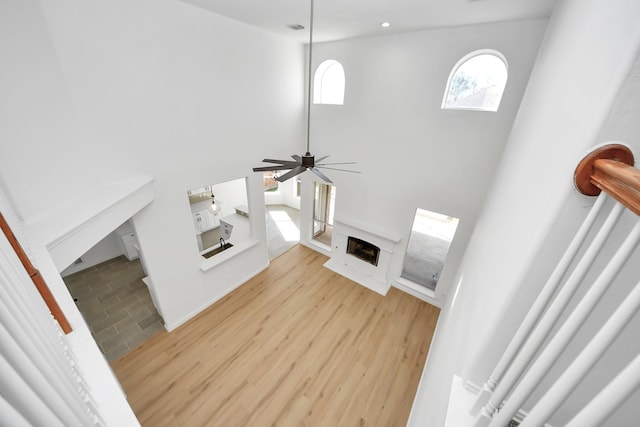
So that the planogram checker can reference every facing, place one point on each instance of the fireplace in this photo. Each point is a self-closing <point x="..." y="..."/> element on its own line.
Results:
<point x="362" y="254"/>
<point x="365" y="251"/>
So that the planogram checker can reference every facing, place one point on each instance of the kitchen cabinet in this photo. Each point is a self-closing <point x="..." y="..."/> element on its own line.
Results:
<point x="205" y="220"/>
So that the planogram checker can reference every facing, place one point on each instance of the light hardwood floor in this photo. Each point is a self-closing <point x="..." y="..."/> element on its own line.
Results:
<point x="296" y="345"/>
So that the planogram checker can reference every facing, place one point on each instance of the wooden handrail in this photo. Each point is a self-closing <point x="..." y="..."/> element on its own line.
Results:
<point x="610" y="169"/>
<point x="36" y="277"/>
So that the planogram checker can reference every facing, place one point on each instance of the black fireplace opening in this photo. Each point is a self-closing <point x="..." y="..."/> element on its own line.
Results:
<point x="363" y="250"/>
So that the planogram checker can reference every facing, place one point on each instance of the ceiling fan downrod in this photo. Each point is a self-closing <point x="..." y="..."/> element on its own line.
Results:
<point x="306" y="161"/>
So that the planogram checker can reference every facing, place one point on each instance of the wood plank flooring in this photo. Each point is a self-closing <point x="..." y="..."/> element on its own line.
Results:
<point x="296" y="345"/>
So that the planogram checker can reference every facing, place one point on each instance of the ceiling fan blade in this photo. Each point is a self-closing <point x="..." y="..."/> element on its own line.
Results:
<point x="291" y="174"/>
<point x="341" y="163"/>
<point x="336" y="169"/>
<point x="321" y="158"/>
<point x="297" y="158"/>
<point x="321" y="175"/>
<point x="272" y="168"/>
<point x="282" y="162"/>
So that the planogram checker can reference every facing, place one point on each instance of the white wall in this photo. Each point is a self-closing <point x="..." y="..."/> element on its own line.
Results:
<point x="106" y="249"/>
<point x="94" y="92"/>
<point x="412" y="154"/>
<point x="36" y="111"/>
<point x="97" y="92"/>
<point x="228" y="195"/>
<point x="104" y="388"/>
<point x="173" y="91"/>
<point x="231" y="194"/>
<point x="585" y="58"/>
<point x="620" y="126"/>
<point x="284" y="195"/>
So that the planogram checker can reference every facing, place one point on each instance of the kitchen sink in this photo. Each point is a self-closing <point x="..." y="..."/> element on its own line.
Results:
<point x="217" y="250"/>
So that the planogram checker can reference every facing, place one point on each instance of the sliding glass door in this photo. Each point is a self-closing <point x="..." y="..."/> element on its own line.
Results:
<point x="323" y="208"/>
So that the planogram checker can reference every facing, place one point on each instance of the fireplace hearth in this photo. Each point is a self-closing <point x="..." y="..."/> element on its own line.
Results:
<point x="365" y="251"/>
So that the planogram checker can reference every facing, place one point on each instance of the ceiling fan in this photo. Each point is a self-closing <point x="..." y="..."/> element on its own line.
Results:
<point x="307" y="161"/>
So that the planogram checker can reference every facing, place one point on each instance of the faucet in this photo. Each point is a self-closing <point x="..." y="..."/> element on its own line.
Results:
<point x="222" y="242"/>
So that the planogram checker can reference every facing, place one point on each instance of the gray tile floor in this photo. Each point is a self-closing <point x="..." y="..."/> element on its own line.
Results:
<point x="281" y="221"/>
<point x="116" y="305"/>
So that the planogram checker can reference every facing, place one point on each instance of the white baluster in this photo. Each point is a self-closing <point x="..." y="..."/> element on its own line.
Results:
<point x="37" y="380"/>
<point x="24" y="399"/>
<point x="530" y="348"/>
<point x="567" y="382"/>
<point x="10" y="416"/>
<point x="566" y="332"/>
<point x="613" y="395"/>
<point x="538" y="306"/>
<point x="25" y="327"/>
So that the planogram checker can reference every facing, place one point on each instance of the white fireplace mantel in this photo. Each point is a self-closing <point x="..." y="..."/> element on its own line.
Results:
<point x="390" y="237"/>
<point x="351" y="267"/>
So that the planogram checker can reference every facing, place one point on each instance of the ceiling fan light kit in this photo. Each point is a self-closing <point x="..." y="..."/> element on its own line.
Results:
<point x="307" y="161"/>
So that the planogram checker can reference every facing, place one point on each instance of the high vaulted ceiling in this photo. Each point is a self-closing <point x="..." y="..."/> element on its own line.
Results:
<point x="342" y="19"/>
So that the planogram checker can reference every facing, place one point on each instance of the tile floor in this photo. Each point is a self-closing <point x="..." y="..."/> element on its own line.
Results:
<point x="116" y="305"/>
<point x="283" y="229"/>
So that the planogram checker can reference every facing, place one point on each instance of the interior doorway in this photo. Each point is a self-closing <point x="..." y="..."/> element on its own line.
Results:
<point x="108" y="286"/>
<point x="283" y="231"/>
<point x="282" y="213"/>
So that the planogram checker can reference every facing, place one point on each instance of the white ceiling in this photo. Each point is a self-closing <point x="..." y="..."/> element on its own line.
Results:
<point x="342" y="19"/>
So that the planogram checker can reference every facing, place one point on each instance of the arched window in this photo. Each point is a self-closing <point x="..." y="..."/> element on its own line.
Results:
<point x="477" y="82"/>
<point x="328" y="83"/>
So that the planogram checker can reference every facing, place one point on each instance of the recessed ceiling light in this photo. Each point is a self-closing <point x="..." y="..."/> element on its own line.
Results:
<point x="385" y="24"/>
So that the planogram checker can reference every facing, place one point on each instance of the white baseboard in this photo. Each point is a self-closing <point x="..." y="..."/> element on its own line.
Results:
<point x="172" y="326"/>
<point x="420" y="292"/>
<point x="317" y="246"/>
